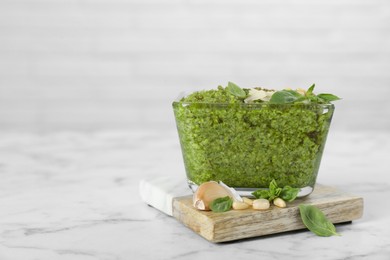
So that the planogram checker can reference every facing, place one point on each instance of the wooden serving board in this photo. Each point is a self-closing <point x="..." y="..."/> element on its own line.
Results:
<point x="238" y="224"/>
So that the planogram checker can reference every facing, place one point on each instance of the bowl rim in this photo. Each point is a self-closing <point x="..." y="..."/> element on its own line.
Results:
<point x="252" y="105"/>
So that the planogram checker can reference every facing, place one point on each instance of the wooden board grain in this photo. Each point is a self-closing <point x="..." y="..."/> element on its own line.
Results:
<point x="338" y="206"/>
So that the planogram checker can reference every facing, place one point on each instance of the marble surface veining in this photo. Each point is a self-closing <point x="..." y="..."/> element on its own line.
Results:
<point x="70" y="195"/>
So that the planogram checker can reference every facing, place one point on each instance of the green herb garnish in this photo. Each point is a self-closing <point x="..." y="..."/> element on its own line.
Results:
<point x="328" y="97"/>
<point x="262" y="194"/>
<point x="315" y="220"/>
<point x="235" y="90"/>
<point x="221" y="204"/>
<point x="283" y="97"/>
<point x="289" y="194"/>
<point x="320" y="98"/>
<point x="292" y="96"/>
<point x="309" y="91"/>
<point x="286" y="193"/>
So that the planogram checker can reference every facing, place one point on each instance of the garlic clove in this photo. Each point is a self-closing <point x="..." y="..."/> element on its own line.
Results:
<point x="234" y="194"/>
<point x="206" y="193"/>
<point x="199" y="204"/>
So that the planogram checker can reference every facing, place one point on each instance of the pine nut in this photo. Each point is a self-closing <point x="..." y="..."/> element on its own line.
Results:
<point x="240" y="205"/>
<point x="279" y="203"/>
<point x="261" y="204"/>
<point x="248" y="201"/>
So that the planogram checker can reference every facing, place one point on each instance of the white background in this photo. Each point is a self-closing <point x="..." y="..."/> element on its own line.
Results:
<point x="118" y="64"/>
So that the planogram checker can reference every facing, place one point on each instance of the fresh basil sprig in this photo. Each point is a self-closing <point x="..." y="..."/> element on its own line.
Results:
<point x="274" y="190"/>
<point x="292" y="96"/>
<point x="283" y="97"/>
<point x="316" y="221"/>
<point x="235" y="90"/>
<point x="221" y="204"/>
<point x="309" y="91"/>
<point x="328" y="97"/>
<point x="286" y="193"/>
<point x="287" y="96"/>
<point x="289" y="193"/>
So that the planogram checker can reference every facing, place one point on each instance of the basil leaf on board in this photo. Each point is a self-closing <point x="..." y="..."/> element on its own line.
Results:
<point x="221" y="204"/>
<point x="274" y="190"/>
<point x="283" y="97"/>
<point x="273" y="186"/>
<point x="272" y="193"/>
<point x="289" y="194"/>
<point x="328" y="97"/>
<point x="315" y="220"/>
<point x="261" y="194"/>
<point x="235" y="90"/>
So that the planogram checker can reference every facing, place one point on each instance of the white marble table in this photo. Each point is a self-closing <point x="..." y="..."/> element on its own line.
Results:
<point x="69" y="195"/>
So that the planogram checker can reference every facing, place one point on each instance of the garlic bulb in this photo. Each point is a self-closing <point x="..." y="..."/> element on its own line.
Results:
<point x="233" y="193"/>
<point x="207" y="192"/>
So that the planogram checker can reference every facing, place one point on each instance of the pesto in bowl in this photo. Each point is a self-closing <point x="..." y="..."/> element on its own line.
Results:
<point x="248" y="144"/>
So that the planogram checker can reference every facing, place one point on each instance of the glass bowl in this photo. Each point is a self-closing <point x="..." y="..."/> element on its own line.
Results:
<point x="246" y="146"/>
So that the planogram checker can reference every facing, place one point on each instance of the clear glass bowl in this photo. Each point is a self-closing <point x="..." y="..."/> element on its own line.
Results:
<point x="248" y="145"/>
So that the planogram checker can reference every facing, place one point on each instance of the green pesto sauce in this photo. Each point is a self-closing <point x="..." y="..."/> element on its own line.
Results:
<point x="248" y="145"/>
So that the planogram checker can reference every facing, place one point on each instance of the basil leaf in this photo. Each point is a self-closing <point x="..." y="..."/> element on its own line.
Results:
<point x="294" y="93"/>
<point x="315" y="220"/>
<point x="270" y="194"/>
<point x="273" y="186"/>
<point x="315" y="99"/>
<point x="221" y="204"/>
<point x="274" y="190"/>
<point x="310" y="90"/>
<point x="289" y="194"/>
<point x="328" y="97"/>
<point x="261" y="194"/>
<point x="282" y="97"/>
<point x="235" y="90"/>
